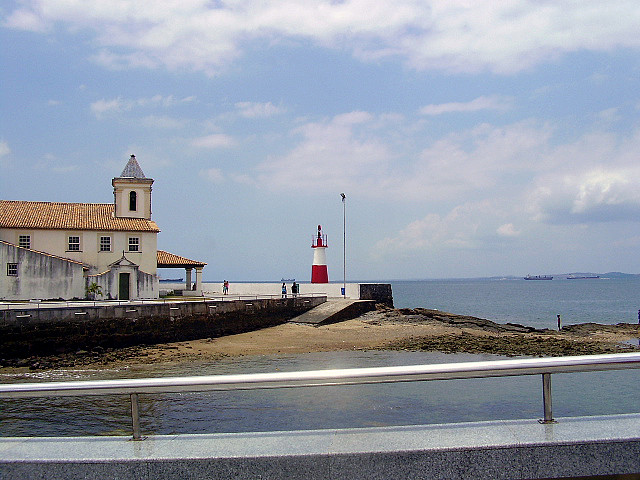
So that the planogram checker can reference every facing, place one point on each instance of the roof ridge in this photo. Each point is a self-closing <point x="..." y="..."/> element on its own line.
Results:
<point x="69" y="216"/>
<point x="52" y="255"/>
<point x="57" y="203"/>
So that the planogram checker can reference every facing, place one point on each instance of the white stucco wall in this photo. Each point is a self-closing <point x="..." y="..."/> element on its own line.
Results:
<point x="39" y="276"/>
<point x="122" y="187"/>
<point x="56" y="243"/>
<point x="141" y="285"/>
<point x="330" y="289"/>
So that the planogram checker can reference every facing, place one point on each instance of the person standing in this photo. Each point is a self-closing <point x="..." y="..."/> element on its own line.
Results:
<point x="284" y="290"/>
<point x="225" y="287"/>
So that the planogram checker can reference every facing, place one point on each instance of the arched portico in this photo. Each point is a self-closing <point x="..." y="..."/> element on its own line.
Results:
<point x="171" y="260"/>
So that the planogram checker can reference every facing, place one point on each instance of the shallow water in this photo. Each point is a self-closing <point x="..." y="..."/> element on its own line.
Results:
<point x="315" y="407"/>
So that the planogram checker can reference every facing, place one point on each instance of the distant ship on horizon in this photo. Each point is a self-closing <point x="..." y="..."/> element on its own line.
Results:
<point x="582" y="277"/>
<point x="538" y="277"/>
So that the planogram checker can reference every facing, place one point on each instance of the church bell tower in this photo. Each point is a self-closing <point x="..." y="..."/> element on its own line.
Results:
<point x="132" y="192"/>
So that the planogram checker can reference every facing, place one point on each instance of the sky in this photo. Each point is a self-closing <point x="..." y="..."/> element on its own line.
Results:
<point x="470" y="138"/>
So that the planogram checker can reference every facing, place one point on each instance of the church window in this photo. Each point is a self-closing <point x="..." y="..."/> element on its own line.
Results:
<point x="24" y="241"/>
<point x="74" y="243"/>
<point x="12" y="269"/>
<point x="133" y="201"/>
<point x="134" y="244"/>
<point x="105" y="244"/>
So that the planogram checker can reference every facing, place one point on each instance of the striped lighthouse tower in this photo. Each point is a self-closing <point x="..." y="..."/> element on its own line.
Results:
<point x="319" y="273"/>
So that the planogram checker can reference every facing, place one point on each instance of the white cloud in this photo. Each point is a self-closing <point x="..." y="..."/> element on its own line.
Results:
<point x="335" y="153"/>
<point x="215" y="140"/>
<point x="162" y="121"/>
<point x="588" y="179"/>
<point x="213" y="175"/>
<point x="4" y="152"/>
<point x="596" y="195"/>
<point x="455" y="36"/>
<point x="118" y="104"/>
<point x="494" y="102"/>
<point x="4" y="149"/>
<point x="466" y="226"/>
<point x="592" y="180"/>
<point x="361" y="152"/>
<point x="258" y="110"/>
<point x="52" y="163"/>
<point x="30" y="20"/>
<point x="100" y="107"/>
<point x="609" y="115"/>
<point x="507" y="230"/>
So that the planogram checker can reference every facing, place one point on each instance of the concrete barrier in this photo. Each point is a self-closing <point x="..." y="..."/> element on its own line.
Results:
<point x="516" y="449"/>
<point x="274" y="288"/>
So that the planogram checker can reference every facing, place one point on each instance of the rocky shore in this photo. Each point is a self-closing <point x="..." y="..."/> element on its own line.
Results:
<point x="384" y="329"/>
<point x="476" y="335"/>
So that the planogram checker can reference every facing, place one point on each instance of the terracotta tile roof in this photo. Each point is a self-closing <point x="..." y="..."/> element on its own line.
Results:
<point x="69" y="216"/>
<point x="168" y="260"/>
<point x="42" y="253"/>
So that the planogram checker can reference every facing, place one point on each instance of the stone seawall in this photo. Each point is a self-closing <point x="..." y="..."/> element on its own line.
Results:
<point x="51" y="331"/>
<point x="380" y="292"/>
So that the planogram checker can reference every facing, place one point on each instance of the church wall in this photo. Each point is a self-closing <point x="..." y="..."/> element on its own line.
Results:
<point x="108" y="283"/>
<point x="39" y="276"/>
<point x="143" y="286"/>
<point x="55" y="242"/>
<point x="146" y="258"/>
<point x="148" y="286"/>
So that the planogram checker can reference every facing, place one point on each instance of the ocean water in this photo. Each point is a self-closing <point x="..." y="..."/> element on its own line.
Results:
<point x="530" y="303"/>
<point x="533" y="303"/>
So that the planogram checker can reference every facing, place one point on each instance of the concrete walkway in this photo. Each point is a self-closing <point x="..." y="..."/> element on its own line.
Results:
<point x="335" y="310"/>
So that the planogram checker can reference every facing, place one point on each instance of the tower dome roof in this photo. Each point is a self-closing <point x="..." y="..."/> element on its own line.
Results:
<point x="132" y="169"/>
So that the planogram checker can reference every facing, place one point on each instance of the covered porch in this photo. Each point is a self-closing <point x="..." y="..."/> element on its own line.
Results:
<point x="171" y="260"/>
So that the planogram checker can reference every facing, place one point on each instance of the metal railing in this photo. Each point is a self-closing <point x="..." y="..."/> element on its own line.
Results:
<point x="352" y="376"/>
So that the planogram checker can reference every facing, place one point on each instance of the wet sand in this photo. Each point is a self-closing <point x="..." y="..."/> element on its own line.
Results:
<point x="384" y="329"/>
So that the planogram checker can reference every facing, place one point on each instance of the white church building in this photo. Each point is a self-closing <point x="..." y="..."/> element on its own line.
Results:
<point x="51" y="250"/>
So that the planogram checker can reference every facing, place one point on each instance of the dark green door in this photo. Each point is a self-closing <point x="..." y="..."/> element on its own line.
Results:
<point x="123" y="290"/>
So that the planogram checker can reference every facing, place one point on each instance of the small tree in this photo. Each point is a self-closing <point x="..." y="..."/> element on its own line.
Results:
<point x="93" y="289"/>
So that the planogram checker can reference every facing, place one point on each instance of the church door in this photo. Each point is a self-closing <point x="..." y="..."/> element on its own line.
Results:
<point x="123" y="289"/>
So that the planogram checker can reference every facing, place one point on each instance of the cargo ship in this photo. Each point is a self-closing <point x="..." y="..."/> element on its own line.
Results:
<point x="538" y="277"/>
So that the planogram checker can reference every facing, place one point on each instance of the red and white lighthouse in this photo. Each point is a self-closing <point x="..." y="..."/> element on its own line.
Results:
<point x="319" y="273"/>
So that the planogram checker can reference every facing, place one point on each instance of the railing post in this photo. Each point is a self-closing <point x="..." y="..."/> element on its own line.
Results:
<point x="546" y="399"/>
<point x="135" y="417"/>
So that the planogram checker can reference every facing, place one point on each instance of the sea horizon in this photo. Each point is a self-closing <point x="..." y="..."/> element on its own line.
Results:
<point x="610" y="274"/>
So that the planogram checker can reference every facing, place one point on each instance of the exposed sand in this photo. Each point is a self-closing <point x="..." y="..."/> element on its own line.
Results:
<point x="418" y="329"/>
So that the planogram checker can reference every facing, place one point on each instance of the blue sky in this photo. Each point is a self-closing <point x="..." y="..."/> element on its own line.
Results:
<point x="471" y="138"/>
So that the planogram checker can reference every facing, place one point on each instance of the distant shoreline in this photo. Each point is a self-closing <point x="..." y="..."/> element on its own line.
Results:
<point x="385" y="329"/>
